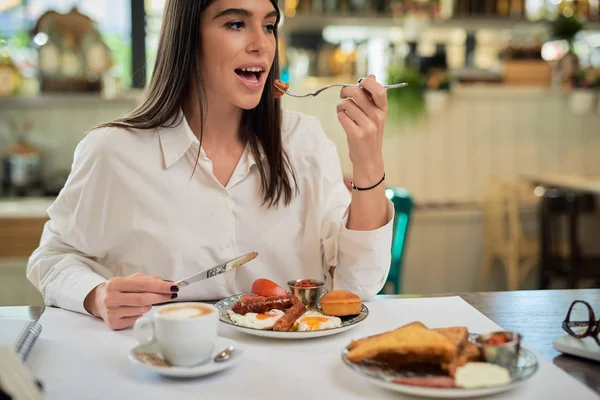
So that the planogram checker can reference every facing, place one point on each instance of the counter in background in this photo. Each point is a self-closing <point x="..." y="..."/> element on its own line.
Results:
<point x="21" y="224"/>
<point x="25" y="207"/>
<point x="443" y="158"/>
<point x="60" y="122"/>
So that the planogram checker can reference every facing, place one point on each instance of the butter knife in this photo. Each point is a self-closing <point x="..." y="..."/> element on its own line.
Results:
<point x="218" y="270"/>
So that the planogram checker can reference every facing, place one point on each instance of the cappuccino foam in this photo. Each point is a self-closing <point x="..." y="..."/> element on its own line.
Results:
<point x="185" y="312"/>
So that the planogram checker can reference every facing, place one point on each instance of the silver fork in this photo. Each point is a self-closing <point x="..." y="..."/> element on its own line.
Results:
<point x="316" y="92"/>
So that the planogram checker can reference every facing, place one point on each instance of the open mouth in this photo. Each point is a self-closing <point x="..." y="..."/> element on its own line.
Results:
<point x="251" y="74"/>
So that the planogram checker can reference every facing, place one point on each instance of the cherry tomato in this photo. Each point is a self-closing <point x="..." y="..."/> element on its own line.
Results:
<point x="267" y="288"/>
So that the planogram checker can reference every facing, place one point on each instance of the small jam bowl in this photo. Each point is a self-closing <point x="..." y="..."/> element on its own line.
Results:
<point x="308" y="295"/>
<point x="504" y="353"/>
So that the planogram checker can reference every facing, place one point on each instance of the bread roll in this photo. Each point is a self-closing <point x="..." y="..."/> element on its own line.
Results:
<point x="340" y="303"/>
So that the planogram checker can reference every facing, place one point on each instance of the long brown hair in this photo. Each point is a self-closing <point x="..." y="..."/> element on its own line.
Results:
<point x="177" y="61"/>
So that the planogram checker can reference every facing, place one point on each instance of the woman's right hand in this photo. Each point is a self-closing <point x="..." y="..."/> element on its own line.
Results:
<point x="122" y="300"/>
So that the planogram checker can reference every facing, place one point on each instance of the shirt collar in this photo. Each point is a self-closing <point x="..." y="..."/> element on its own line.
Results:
<point x="176" y="140"/>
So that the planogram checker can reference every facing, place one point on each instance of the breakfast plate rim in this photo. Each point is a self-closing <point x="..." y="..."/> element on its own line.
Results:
<point x="421" y="391"/>
<point x="364" y="313"/>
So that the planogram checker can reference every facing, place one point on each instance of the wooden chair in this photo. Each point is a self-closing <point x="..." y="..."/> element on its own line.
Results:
<point x="504" y="237"/>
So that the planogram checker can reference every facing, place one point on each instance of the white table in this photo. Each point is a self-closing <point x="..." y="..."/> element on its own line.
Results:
<point x="77" y="357"/>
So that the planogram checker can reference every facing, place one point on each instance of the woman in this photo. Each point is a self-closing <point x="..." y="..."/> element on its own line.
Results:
<point x="206" y="169"/>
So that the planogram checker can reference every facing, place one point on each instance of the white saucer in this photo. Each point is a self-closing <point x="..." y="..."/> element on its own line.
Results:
<point x="206" y="368"/>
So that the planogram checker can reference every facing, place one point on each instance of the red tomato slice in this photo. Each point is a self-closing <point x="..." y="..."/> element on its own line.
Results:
<point x="267" y="288"/>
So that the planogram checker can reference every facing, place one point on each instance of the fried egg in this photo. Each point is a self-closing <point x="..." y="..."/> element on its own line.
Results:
<point x="256" y="321"/>
<point x="315" y="321"/>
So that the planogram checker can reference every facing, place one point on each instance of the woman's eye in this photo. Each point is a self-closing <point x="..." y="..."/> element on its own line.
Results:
<point x="236" y="25"/>
<point x="270" y="28"/>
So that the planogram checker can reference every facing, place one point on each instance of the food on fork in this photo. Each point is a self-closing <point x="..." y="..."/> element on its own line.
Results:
<point x="279" y="88"/>
<point x="341" y="303"/>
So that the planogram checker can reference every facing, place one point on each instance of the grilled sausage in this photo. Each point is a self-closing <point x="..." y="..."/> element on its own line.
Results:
<point x="287" y="320"/>
<point x="262" y="305"/>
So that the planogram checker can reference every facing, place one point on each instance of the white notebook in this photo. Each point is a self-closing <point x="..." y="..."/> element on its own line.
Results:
<point x="20" y="334"/>
<point x="16" y="381"/>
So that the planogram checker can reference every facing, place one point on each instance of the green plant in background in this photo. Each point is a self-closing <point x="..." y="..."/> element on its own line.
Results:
<point x="406" y="104"/>
<point x="121" y="55"/>
<point x="19" y="40"/>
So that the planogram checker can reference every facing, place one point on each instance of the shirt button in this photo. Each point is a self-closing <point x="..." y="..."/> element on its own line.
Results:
<point x="224" y="195"/>
<point x="228" y="245"/>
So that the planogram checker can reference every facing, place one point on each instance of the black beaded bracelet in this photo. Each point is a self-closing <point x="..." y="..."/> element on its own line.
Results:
<point x="369" y="188"/>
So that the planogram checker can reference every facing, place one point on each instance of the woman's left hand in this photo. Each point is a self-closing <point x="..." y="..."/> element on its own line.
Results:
<point x="363" y="113"/>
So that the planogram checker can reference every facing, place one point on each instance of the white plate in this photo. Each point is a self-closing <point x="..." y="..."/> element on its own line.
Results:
<point x="347" y="323"/>
<point x="384" y="377"/>
<point x="586" y="348"/>
<point x="207" y="368"/>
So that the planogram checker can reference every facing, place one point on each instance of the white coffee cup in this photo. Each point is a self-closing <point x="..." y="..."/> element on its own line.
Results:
<point x="186" y="333"/>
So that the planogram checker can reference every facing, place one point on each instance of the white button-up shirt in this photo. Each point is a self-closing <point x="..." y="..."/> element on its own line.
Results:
<point x="131" y="204"/>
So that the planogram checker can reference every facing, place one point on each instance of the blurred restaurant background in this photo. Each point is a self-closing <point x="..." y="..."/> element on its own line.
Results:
<point x="492" y="151"/>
